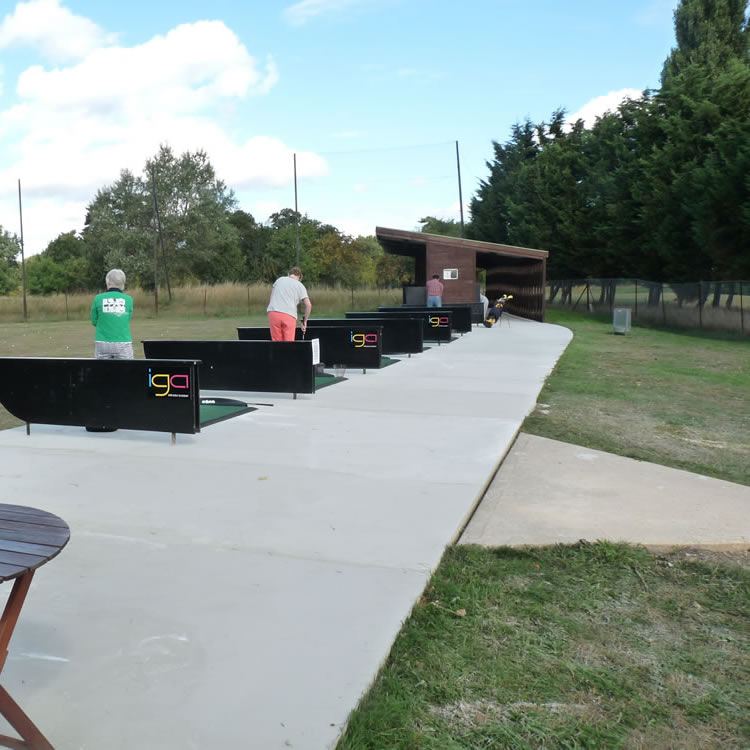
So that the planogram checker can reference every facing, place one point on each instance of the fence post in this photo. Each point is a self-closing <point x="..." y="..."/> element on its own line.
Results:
<point x="742" y="311"/>
<point x="700" y="304"/>
<point x="248" y="300"/>
<point x="205" y="299"/>
<point x="635" y="313"/>
<point x="67" y="316"/>
<point x="663" y="306"/>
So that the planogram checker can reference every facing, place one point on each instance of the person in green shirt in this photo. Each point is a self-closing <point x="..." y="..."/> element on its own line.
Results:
<point x="111" y="312"/>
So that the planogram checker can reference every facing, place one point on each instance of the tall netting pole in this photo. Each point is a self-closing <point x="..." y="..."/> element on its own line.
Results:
<point x="23" y="260"/>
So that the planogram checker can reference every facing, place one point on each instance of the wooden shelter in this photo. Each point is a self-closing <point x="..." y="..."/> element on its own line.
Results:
<point x="520" y="271"/>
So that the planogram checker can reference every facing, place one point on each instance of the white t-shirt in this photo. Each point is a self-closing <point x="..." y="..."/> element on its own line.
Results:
<point x="286" y="295"/>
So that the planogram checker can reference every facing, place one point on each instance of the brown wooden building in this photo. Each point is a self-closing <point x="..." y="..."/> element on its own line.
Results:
<point x="519" y="271"/>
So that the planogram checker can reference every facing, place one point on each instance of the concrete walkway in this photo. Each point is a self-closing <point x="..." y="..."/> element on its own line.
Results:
<point x="548" y="492"/>
<point x="241" y="588"/>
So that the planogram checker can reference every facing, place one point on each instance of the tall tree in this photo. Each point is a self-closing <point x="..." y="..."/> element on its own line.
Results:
<point x="490" y="207"/>
<point x="697" y="190"/>
<point x="253" y="239"/>
<point x="61" y="267"/>
<point x="10" y="275"/>
<point x="447" y="227"/>
<point x="199" y="241"/>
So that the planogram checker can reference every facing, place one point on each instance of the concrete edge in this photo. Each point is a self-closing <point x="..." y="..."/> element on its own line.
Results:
<point x="658" y="547"/>
<point x="483" y="490"/>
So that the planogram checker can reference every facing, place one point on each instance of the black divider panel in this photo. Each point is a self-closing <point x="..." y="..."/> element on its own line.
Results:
<point x="267" y="366"/>
<point x="355" y="346"/>
<point x="435" y="326"/>
<point x="400" y="336"/>
<point x="132" y="394"/>
<point x="460" y="321"/>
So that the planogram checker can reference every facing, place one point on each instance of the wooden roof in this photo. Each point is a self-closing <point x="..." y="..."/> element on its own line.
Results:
<point x="401" y="242"/>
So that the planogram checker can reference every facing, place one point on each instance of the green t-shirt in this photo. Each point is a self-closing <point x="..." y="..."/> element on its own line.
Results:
<point x="110" y="313"/>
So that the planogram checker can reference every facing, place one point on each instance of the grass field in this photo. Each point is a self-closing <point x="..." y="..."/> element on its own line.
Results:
<point x="585" y="646"/>
<point x="667" y="397"/>
<point x="588" y="646"/>
<point x="217" y="301"/>
<point x="591" y="645"/>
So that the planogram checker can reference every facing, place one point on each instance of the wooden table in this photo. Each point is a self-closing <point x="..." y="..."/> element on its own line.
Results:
<point x="28" y="538"/>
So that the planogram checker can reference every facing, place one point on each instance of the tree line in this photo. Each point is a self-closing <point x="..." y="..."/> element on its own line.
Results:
<point x="658" y="189"/>
<point x="178" y="223"/>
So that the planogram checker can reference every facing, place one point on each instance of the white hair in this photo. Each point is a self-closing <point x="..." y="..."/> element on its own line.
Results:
<point x="115" y="279"/>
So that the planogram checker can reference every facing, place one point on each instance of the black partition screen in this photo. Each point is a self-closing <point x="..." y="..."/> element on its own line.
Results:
<point x="132" y="394"/>
<point x="400" y="335"/>
<point x="435" y="326"/>
<point x="258" y="366"/>
<point x="353" y="346"/>
<point x="461" y="314"/>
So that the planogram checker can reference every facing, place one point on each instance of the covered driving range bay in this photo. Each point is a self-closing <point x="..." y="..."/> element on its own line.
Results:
<point x="241" y="587"/>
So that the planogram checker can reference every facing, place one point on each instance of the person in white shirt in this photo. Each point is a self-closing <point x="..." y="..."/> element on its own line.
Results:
<point x="288" y="291"/>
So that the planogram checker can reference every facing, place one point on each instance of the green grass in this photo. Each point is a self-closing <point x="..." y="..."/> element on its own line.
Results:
<point x="661" y="396"/>
<point x="217" y="301"/>
<point x="585" y="646"/>
<point x="592" y="645"/>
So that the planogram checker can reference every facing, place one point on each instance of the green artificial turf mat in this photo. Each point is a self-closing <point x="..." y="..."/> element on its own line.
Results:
<point x="321" y="381"/>
<point x="387" y="362"/>
<point x="221" y="409"/>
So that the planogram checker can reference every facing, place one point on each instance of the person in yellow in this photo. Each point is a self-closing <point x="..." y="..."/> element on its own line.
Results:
<point x="496" y="312"/>
<point x="111" y="312"/>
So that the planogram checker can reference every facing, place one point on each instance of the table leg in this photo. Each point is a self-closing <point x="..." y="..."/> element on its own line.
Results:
<point x="33" y="739"/>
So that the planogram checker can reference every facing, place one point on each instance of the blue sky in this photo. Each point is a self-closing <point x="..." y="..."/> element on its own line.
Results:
<point x="370" y="94"/>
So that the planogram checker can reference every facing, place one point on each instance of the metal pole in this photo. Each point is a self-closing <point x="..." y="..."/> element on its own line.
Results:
<point x="742" y="311"/>
<point x="460" y="195"/>
<point x="700" y="304"/>
<point x="156" y="278"/>
<point x="636" y="299"/>
<point x="23" y="260"/>
<point x="663" y="306"/>
<point x="296" y="214"/>
<point x="161" y="239"/>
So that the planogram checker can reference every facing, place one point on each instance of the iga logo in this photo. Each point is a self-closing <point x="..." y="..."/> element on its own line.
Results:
<point x="172" y="385"/>
<point x="364" y="340"/>
<point x="438" y="321"/>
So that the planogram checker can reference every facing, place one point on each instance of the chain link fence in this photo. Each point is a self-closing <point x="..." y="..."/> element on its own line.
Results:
<point x="717" y="305"/>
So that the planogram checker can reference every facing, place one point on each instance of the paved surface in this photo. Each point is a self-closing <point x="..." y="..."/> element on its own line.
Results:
<point x="549" y="492"/>
<point x="241" y="588"/>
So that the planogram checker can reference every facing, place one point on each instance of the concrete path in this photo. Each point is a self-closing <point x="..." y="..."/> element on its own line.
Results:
<point x="549" y="492"/>
<point x="241" y="588"/>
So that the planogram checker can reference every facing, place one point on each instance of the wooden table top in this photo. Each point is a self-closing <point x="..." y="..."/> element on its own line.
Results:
<point x="29" y="537"/>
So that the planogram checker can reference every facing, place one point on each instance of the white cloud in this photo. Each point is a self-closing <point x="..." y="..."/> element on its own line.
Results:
<point x="599" y="105"/>
<point x="300" y="13"/>
<point x="184" y="71"/>
<point x="262" y="210"/>
<point x="54" y="30"/>
<point x="75" y="127"/>
<point x="354" y="227"/>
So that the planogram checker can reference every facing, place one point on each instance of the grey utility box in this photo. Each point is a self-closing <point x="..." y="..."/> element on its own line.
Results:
<point x="621" y="320"/>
